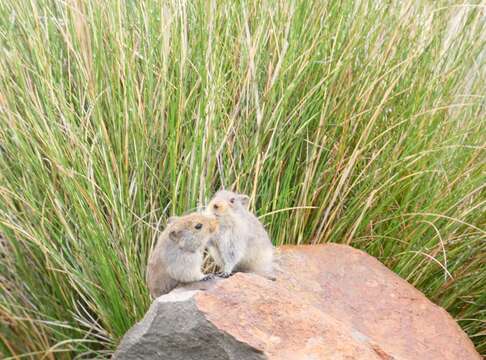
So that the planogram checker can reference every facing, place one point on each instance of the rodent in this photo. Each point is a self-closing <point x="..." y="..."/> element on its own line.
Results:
<point x="178" y="255"/>
<point x="242" y="243"/>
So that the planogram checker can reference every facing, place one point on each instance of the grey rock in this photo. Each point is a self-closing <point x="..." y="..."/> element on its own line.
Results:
<point x="328" y="302"/>
<point x="174" y="329"/>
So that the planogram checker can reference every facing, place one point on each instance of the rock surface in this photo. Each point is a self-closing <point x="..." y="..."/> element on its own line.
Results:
<point x="328" y="302"/>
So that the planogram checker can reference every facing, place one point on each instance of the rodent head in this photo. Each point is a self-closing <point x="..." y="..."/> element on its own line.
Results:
<point x="192" y="232"/>
<point x="226" y="203"/>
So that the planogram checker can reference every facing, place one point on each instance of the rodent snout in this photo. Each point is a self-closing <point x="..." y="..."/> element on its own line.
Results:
<point x="217" y="207"/>
<point x="214" y="226"/>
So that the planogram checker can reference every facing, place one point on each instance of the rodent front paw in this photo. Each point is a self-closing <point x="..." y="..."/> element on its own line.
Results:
<point x="224" y="274"/>
<point x="208" y="277"/>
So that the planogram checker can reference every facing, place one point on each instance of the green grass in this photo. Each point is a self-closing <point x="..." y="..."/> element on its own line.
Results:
<point x="357" y="122"/>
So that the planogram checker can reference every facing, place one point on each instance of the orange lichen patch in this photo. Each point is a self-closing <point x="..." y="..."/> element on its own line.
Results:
<point x="332" y="302"/>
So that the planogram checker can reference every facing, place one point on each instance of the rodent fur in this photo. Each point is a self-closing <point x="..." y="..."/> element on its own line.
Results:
<point x="242" y="243"/>
<point x="178" y="255"/>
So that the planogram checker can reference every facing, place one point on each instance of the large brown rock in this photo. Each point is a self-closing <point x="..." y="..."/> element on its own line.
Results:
<point x="328" y="302"/>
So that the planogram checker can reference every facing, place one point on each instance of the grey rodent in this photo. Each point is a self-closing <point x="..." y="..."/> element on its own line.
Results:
<point x="178" y="255"/>
<point x="242" y="243"/>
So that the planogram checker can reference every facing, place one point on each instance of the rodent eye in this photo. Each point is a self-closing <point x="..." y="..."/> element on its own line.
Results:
<point x="215" y="206"/>
<point x="232" y="200"/>
<point x="198" y="226"/>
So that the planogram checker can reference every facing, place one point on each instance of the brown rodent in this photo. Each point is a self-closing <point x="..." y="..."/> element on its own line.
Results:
<point x="242" y="243"/>
<point x="178" y="255"/>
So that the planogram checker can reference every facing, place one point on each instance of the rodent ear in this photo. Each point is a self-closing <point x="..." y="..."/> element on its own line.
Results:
<point x="172" y="219"/>
<point x="173" y="235"/>
<point x="244" y="200"/>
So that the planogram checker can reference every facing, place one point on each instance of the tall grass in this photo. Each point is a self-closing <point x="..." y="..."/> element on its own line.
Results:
<point x="358" y="122"/>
